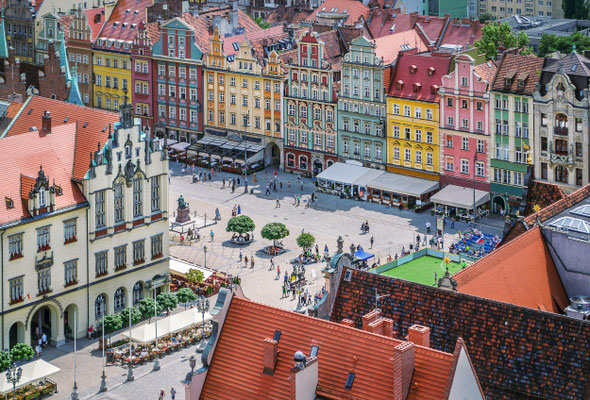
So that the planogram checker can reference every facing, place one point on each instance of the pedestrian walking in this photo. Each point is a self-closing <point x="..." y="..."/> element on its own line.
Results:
<point x="239" y="209"/>
<point x="223" y="182"/>
<point x="162" y="394"/>
<point x="372" y="240"/>
<point x="44" y="339"/>
<point x="452" y="223"/>
<point x="272" y="263"/>
<point x="278" y="272"/>
<point x="278" y="204"/>
<point x="238" y="181"/>
<point x="298" y="200"/>
<point x="286" y="277"/>
<point x="252" y="262"/>
<point x="289" y="185"/>
<point x="284" y="291"/>
<point x="38" y="350"/>
<point x="172" y="393"/>
<point x="280" y="185"/>
<point x="275" y="174"/>
<point x="212" y="235"/>
<point x="427" y="226"/>
<point x="241" y="255"/>
<point x="245" y="261"/>
<point x="267" y="189"/>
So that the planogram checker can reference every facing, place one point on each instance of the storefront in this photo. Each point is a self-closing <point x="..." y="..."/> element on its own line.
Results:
<point x="348" y="180"/>
<point x="395" y="190"/>
<point x="459" y="201"/>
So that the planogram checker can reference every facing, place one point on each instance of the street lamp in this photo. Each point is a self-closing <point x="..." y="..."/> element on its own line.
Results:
<point x="203" y="307"/>
<point x="156" y="360"/>
<point x="192" y="362"/>
<point x="205" y="251"/>
<point x="75" y="388"/>
<point x="13" y="375"/>
<point x="103" y="378"/>
<point x="299" y="275"/>
<point x="130" y="376"/>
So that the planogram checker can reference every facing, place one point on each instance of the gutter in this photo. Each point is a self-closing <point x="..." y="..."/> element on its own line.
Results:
<point x="87" y="273"/>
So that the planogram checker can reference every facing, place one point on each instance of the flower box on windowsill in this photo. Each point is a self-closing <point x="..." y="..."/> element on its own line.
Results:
<point x="71" y="240"/>
<point x="137" y="262"/>
<point x="101" y="275"/>
<point x="72" y="283"/>
<point x="120" y="267"/>
<point x="156" y="256"/>
<point x="43" y="248"/>
<point x="44" y="292"/>
<point x="16" y="301"/>
<point x="15" y="256"/>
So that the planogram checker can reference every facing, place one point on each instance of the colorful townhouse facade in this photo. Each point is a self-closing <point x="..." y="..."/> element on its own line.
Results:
<point x="512" y="129"/>
<point x="20" y="28"/>
<point x="177" y="65"/>
<point x="310" y="104"/>
<point x="413" y="140"/>
<point x="50" y="31"/>
<point x="465" y="124"/>
<point x="561" y="110"/>
<point x="111" y="53"/>
<point x="243" y="96"/>
<point x="142" y="77"/>
<point x="361" y="106"/>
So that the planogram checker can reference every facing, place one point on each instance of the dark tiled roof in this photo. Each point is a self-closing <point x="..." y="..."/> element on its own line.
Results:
<point x="461" y="32"/>
<point x="517" y="352"/>
<point x="428" y="81"/>
<point x="555" y="208"/>
<point x="386" y="22"/>
<point x="568" y="62"/>
<point x="528" y="67"/>
<point x="542" y="194"/>
<point x="122" y="24"/>
<point x="288" y="15"/>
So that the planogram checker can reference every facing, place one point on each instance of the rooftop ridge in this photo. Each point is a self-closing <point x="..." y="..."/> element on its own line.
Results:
<point x="557" y="207"/>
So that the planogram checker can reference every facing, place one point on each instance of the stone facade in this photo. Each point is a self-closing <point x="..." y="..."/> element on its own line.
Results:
<point x="20" y="28"/>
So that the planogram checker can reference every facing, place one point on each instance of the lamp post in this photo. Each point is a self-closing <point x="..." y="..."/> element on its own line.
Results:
<point x="299" y="274"/>
<point x="75" y="388"/>
<point x="203" y="307"/>
<point x="156" y="360"/>
<point x="103" y="378"/>
<point x="130" y="376"/>
<point x="205" y="251"/>
<point x="245" y="168"/>
<point x="13" y="375"/>
<point x="192" y="362"/>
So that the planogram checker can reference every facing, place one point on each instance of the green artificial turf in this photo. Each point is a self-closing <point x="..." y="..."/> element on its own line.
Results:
<point x="421" y="270"/>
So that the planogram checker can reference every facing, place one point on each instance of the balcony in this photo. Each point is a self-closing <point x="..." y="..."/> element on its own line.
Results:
<point x="560" y="130"/>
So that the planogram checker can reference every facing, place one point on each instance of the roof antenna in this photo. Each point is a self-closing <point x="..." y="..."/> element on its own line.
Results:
<point x="377" y="297"/>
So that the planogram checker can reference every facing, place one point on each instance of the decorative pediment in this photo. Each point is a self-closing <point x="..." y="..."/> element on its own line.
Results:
<point x="129" y="172"/>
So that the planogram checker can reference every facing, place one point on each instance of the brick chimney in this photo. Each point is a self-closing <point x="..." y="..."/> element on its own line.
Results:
<point x="370" y="317"/>
<point x="382" y="326"/>
<point x="413" y="18"/>
<point x="270" y="356"/>
<point x="403" y="368"/>
<point x="419" y="335"/>
<point x="304" y="378"/>
<point x="347" y="322"/>
<point x="46" y="122"/>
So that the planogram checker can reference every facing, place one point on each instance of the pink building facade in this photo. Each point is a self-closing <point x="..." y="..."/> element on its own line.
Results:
<point x="465" y="124"/>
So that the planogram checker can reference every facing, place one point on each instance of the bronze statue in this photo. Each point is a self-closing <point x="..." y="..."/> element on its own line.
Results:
<point x="181" y="203"/>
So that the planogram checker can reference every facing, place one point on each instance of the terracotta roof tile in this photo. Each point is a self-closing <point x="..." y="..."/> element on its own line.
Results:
<point x="390" y="46"/>
<point x="422" y="62"/>
<point x="288" y="15"/>
<point x="461" y="32"/>
<point x="517" y="352"/>
<point x="529" y="65"/>
<point x="487" y="71"/>
<point x="122" y="24"/>
<point x="354" y="9"/>
<point x="65" y="21"/>
<point x="23" y="155"/>
<point x="385" y="22"/>
<point x="153" y="32"/>
<point x="272" y="33"/>
<point x="561" y="205"/>
<point x="542" y="194"/>
<point x="91" y="126"/>
<point x="522" y="273"/>
<point x="236" y="368"/>
<point x="90" y="18"/>
<point x="431" y="27"/>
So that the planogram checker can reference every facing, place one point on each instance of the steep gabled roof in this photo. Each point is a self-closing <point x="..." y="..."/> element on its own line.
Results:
<point x="559" y="206"/>
<point x="527" y="68"/>
<point x="387" y="22"/>
<point x="461" y="32"/>
<point x="427" y="76"/>
<point x="517" y="352"/>
<point x="122" y="25"/>
<point x="95" y="23"/>
<point x="487" y="71"/>
<point x="521" y="272"/>
<point x="354" y="9"/>
<point x="236" y="370"/>
<point x="390" y="46"/>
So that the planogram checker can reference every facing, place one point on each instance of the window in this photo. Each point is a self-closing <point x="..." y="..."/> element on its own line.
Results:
<point x="417" y="112"/>
<point x="99" y="307"/>
<point x="182" y="114"/>
<point x="245" y="101"/>
<point x="16" y="289"/>
<point x="407" y="111"/>
<point x="479" y="168"/>
<point x="232" y="118"/>
<point x="138" y="251"/>
<point x="464" y="104"/>
<point x="480" y="145"/>
<point x="450" y="121"/>
<point x="378" y="152"/>
<point x="396" y="109"/>
<point x="506" y="155"/>
<point x="15" y="246"/>
<point x="543" y="119"/>
<point x="172" y="112"/>
<point x="367" y="150"/>
<point x="221" y="116"/>
<point x="69" y="230"/>
<point x="396" y="132"/>
<point x="257" y="102"/>
<point x="464" y="81"/>
<point x="119" y="300"/>
<point x="449" y="166"/>
<point x="317" y="139"/>
<point x="101" y="263"/>
<point x="302" y="162"/>
<point x="418" y="157"/>
<point x="408" y="155"/>
<point x="429" y="114"/>
<point x="449" y="102"/>
<point x="303" y="111"/>
<point x="464" y="143"/>
<point x="407" y="133"/>
<point x="396" y="153"/>
<point x="44" y="281"/>
<point x="120" y="257"/>
<point x="505" y="176"/>
<point x="465" y="123"/>
<point x="43" y="238"/>
<point x="418" y="135"/>
<point x="428" y="158"/>
<point x="517" y="178"/>
<point x="137" y="194"/>
<point x="428" y="137"/>
<point x="115" y="83"/>
<point x="465" y="166"/>
<point x="450" y="141"/>
<point x="70" y="272"/>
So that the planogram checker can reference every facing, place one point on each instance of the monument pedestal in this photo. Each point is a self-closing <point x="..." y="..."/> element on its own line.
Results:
<point x="183" y="215"/>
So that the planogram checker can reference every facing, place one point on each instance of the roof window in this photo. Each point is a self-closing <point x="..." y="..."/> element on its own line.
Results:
<point x="315" y="349"/>
<point x="574" y="67"/>
<point x="85" y="124"/>
<point x="583" y="210"/>
<point x="571" y="224"/>
<point x="349" y="380"/>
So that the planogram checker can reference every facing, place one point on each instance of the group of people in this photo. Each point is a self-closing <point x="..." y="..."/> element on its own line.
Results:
<point x="41" y="342"/>
<point x="237" y="210"/>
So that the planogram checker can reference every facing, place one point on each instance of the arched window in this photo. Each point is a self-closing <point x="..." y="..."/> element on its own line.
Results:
<point x="302" y="162"/>
<point x="100" y="306"/>
<point x="119" y="299"/>
<point x="137" y="293"/>
<point x="290" y="160"/>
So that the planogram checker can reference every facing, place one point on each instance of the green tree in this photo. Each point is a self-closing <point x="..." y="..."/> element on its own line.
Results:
<point x="495" y="35"/>
<point x="575" y="9"/>
<point x="5" y="360"/>
<point x="194" y="276"/>
<point x="146" y="308"/>
<point x="305" y="241"/>
<point x="167" y="300"/>
<point x="21" y="352"/>
<point x="184" y="295"/>
<point x="240" y="225"/>
<point x="261" y="23"/>
<point x="563" y="44"/>
<point x="135" y="316"/>
<point x="112" y="322"/>
<point x="274" y="231"/>
<point x="485" y="17"/>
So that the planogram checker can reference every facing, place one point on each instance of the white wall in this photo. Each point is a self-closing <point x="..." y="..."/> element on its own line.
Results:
<point x="464" y="386"/>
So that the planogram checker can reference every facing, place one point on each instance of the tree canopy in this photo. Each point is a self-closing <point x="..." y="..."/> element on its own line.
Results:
<point x="576" y="9"/>
<point x="563" y="44"/>
<point x="167" y="300"/>
<point x="194" y="276"/>
<point x="485" y="17"/>
<point x="146" y="307"/>
<point x="305" y="240"/>
<point x="240" y="224"/>
<point x="274" y="231"/>
<point x="495" y="35"/>
<point x="112" y="322"/>
<point x="21" y="352"/>
<point x="261" y="23"/>
<point x="135" y="316"/>
<point x="184" y="295"/>
<point x="5" y="360"/>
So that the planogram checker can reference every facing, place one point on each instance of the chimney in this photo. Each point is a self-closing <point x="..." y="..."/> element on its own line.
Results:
<point x="347" y="322"/>
<point x="304" y="377"/>
<point x="46" y="122"/>
<point x="413" y="18"/>
<point x="234" y="19"/>
<point x="381" y="326"/>
<point x="403" y="368"/>
<point x="270" y="356"/>
<point x="419" y="335"/>
<point x="370" y="317"/>
<point x="216" y="21"/>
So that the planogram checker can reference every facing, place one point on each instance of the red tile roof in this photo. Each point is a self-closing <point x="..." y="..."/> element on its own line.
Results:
<point x="65" y="22"/>
<point x="526" y="67"/>
<point x="389" y="46"/>
<point x="88" y="136"/>
<point x="461" y="32"/>
<point x="421" y="77"/>
<point x="354" y="9"/>
<point x="273" y="32"/>
<point x="487" y="71"/>
<point x="555" y="208"/>
<point x="521" y="272"/>
<point x="289" y="15"/>
<point x="542" y="194"/>
<point x="236" y="370"/>
<point x="431" y="27"/>
<point x="95" y="26"/>
<point x="123" y="23"/>
<point x="385" y="22"/>
<point x="153" y="32"/>
<point x="22" y="156"/>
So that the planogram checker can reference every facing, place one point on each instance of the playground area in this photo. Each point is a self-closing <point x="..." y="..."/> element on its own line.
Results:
<point x="421" y="266"/>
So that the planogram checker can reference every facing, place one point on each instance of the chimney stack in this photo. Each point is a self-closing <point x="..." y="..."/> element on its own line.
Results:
<point x="46" y="122"/>
<point x="368" y="318"/>
<point x="403" y="369"/>
<point x="270" y="356"/>
<point x="419" y="335"/>
<point x="347" y="322"/>
<point x="304" y="377"/>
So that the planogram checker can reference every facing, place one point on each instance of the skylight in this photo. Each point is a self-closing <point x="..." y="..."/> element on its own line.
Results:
<point x="583" y="210"/>
<point x="349" y="381"/>
<point x="574" y="67"/>
<point x="571" y="224"/>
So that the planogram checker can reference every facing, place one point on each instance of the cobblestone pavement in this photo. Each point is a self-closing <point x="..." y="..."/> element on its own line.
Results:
<point x="391" y="228"/>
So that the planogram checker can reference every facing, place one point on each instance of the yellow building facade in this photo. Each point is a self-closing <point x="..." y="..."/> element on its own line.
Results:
<point x="242" y="97"/>
<point x="413" y="137"/>
<point x="112" y="77"/>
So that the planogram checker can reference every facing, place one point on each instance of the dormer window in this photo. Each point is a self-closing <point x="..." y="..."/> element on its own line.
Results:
<point x="416" y="87"/>
<point x="431" y="71"/>
<point x="413" y="69"/>
<point x="508" y="81"/>
<point x="399" y="84"/>
<point x="41" y="197"/>
<point x="521" y="83"/>
<point x="434" y="89"/>
<point x="9" y="202"/>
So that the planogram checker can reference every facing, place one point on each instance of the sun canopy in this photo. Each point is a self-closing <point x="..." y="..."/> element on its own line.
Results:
<point x="181" y="267"/>
<point x="32" y="372"/>
<point x="402" y="184"/>
<point x="181" y="146"/>
<point x="363" y="255"/>
<point x="349" y="174"/>
<point x="175" y="323"/>
<point x="460" y="197"/>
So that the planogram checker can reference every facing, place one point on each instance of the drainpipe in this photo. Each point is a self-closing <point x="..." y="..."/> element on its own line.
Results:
<point x="87" y="272"/>
<point x="2" y="284"/>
